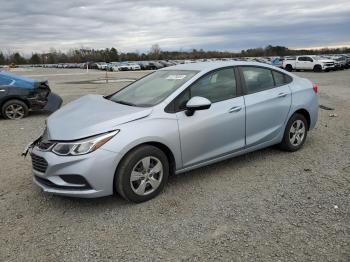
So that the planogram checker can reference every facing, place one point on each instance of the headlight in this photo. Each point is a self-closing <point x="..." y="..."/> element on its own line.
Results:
<point x="84" y="146"/>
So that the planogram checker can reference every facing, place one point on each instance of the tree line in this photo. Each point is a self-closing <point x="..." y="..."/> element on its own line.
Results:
<point x="83" y="55"/>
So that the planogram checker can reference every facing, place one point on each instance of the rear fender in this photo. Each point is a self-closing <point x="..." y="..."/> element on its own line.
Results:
<point x="304" y="97"/>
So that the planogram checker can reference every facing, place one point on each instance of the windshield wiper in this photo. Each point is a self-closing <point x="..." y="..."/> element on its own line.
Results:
<point x="124" y="103"/>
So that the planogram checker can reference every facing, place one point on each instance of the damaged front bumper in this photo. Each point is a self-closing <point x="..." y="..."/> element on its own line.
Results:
<point x="74" y="176"/>
<point x="50" y="103"/>
<point x="54" y="102"/>
<point x="86" y="176"/>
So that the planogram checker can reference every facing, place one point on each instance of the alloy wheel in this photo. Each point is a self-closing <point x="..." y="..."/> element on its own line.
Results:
<point x="15" y="111"/>
<point x="297" y="133"/>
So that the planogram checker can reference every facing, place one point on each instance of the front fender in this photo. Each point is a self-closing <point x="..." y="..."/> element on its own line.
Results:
<point x="147" y="130"/>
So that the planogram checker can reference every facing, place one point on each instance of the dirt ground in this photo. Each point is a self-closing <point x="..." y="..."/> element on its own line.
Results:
<point x="265" y="206"/>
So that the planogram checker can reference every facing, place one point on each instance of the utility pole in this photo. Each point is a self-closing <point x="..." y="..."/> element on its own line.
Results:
<point x="107" y="62"/>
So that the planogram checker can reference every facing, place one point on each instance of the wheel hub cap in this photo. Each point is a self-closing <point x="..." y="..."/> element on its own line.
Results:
<point x="146" y="176"/>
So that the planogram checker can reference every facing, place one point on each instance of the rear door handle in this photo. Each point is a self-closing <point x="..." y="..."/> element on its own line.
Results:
<point x="2" y="90"/>
<point x="235" y="109"/>
<point x="282" y="95"/>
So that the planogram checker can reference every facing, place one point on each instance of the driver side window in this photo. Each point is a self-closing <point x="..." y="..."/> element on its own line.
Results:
<point x="309" y="59"/>
<point x="216" y="86"/>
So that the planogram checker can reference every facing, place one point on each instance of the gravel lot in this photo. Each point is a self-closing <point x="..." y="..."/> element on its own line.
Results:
<point x="265" y="206"/>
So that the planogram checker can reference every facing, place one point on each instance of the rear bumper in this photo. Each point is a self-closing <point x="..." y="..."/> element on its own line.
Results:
<point x="314" y="112"/>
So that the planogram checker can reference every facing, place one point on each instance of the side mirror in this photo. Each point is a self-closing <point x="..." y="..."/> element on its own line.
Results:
<point x="197" y="103"/>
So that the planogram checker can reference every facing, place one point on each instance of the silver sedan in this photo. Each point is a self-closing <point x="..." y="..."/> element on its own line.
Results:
<point x="171" y="121"/>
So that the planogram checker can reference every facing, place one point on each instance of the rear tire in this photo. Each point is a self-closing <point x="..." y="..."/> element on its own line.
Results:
<point x="14" y="109"/>
<point x="295" y="133"/>
<point x="142" y="174"/>
<point x="289" y="68"/>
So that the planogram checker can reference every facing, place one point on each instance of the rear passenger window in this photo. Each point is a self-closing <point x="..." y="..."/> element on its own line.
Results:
<point x="280" y="78"/>
<point x="257" y="79"/>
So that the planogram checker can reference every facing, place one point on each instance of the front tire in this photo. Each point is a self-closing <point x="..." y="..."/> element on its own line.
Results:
<point x="142" y="174"/>
<point x="295" y="133"/>
<point x="14" y="109"/>
<point x="317" y="68"/>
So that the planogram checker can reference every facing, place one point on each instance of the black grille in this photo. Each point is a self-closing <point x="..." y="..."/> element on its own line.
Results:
<point x="74" y="179"/>
<point x="45" y="181"/>
<point x="48" y="183"/>
<point x="39" y="163"/>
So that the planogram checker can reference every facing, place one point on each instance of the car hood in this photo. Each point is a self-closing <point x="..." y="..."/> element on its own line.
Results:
<point x="326" y="60"/>
<point x="90" y="115"/>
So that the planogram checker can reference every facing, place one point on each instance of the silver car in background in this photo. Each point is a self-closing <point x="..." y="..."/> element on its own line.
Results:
<point x="171" y="121"/>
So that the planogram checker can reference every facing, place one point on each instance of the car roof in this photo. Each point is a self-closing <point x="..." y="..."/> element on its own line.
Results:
<point x="209" y="66"/>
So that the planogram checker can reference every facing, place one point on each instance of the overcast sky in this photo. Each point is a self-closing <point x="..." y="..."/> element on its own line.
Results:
<point x="134" y="25"/>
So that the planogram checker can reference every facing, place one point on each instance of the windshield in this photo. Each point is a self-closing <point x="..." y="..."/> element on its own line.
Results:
<point x="152" y="89"/>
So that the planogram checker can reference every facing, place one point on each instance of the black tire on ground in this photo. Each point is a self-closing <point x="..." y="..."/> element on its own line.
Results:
<point x="289" y="68"/>
<point x="20" y="106"/>
<point x="318" y="68"/>
<point x="286" y="141"/>
<point x="122" y="182"/>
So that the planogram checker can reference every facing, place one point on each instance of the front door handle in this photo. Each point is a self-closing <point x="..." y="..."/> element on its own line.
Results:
<point x="235" y="109"/>
<point x="2" y="90"/>
<point x="282" y="95"/>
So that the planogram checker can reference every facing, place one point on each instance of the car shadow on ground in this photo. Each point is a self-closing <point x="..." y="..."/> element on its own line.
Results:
<point x="39" y="114"/>
<point x="175" y="181"/>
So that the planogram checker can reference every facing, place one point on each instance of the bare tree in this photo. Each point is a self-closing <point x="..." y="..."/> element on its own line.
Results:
<point x="155" y="52"/>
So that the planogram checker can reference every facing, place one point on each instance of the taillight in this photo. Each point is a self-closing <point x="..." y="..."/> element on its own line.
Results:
<point x="315" y="87"/>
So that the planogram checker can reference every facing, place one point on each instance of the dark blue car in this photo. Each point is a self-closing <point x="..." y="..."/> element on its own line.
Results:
<point x="19" y="95"/>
